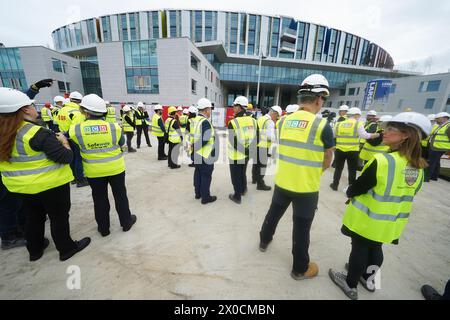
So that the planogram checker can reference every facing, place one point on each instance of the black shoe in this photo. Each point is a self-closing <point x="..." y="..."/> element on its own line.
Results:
<point x="138" y="147"/>
<point x="245" y="192"/>
<point x="198" y="197"/>
<point x="175" y="167"/>
<point x="133" y="221"/>
<point x="73" y="182"/>
<point x="364" y="282"/>
<point x="253" y="181"/>
<point x="38" y="256"/>
<point x="82" y="183"/>
<point x="79" y="246"/>
<point x="162" y="159"/>
<point x="104" y="233"/>
<point x="210" y="200"/>
<point x="434" y="179"/>
<point x="192" y="165"/>
<point x="150" y="146"/>
<point x="429" y="293"/>
<point x="132" y="150"/>
<point x="333" y="186"/>
<point x="234" y="199"/>
<point x="263" y="187"/>
<point x="263" y="246"/>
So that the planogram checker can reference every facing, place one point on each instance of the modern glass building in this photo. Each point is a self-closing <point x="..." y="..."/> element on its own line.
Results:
<point x="12" y="74"/>
<point x="234" y="43"/>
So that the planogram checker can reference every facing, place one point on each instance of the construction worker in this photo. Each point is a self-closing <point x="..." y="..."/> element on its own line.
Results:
<point x="242" y="139"/>
<point x="203" y="152"/>
<point x="159" y="131"/>
<point x="266" y="136"/>
<point x="426" y="144"/>
<point x="174" y="137"/>
<point x="305" y="151"/>
<point x="67" y="116"/>
<point x="142" y="122"/>
<point x="128" y="125"/>
<point x="371" y="126"/>
<point x="380" y="200"/>
<point x="183" y="120"/>
<point x="373" y="146"/>
<point x="58" y="105"/>
<point x="343" y="113"/>
<point x="100" y="144"/>
<point x="35" y="166"/>
<point x="46" y="115"/>
<point x="190" y="127"/>
<point x="348" y="133"/>
<point x="111" y="113"/>
<point x="439" y="144"/>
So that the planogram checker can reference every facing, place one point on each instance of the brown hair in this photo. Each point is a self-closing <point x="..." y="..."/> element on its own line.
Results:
<point x="9" y="124"/>
<point x="411" y="148"/>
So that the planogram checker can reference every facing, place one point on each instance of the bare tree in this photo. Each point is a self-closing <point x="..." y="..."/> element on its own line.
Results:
<point x="428" y="63"/>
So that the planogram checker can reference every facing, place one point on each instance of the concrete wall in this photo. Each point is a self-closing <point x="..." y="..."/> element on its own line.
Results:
<point x="37" y="64"/>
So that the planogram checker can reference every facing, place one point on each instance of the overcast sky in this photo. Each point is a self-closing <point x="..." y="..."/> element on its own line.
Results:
<point x="415" y="32"/>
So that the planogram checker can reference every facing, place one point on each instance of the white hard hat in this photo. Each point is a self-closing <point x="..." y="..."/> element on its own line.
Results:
<point x="76" y="96"/>
<point x="354" y="111"/>
<point x="58" y="99"/>
<point x="292" y="108"/>
<point x="158" y="107"/>
<point x="442" y="115"/>
<point x="431" y="117"/>
<point x="372" y="113"/>
<point x="241" y="101"/>
<point x="180" y="109"/>
<point x="385" y="118"/>
<point x="66" y="101"/>
<point x="344" y="108"/>
<point x="193" y="109"/>
<point x="414" y="119"/>
<point x="185" y="111"/>
<point x="93" y="102"/>
<point x="140" y="104"/>
<point x="203" y="103"/>
<point x="12" y="100"/>
<point x="277" y="109"/>
<point x="126" y="108"/>
<point x="315" y="83"/>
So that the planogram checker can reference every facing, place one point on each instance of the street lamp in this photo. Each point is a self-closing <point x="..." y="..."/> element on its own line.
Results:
<point x="261" y="57"/>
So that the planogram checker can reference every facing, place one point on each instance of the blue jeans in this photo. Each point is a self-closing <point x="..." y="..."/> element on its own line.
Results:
<point x="77" y="163"/>
<point x="10" y="209"/>
<point x="202" y="180"/>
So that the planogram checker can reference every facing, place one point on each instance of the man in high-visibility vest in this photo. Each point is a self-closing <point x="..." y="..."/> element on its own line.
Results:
<point x="242" y="132"/>
<point x="159" y="131"/>
<point x="371" y="126"/>
<point x="111" y="113"/>
<point x="305" y="151"/>
<point x="128" y="125"/>
<point x="183" y="120"/>
<point x="374" y="146"/>
<point x="266" y="136"/>
<point x="58" y="105"/>
<point x="142" y="119"/>
<point x="347" y="135"/>
<point x="343" y="113"/>
<point x="190" y="127"/>
<point x="204" y="152"/>
<point x="174" y="137"/>
<point x="439" y="145"/>
<point x="46" y="115"/>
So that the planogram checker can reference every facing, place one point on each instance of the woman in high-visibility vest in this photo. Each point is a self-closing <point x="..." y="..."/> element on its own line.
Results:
<point x="129" y="124"/>
<point x="380" y="201"/>
<point x="34" y="163"/>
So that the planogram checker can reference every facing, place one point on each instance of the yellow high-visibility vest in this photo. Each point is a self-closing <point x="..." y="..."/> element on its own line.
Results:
<point x="263" y="122"/>
<point x="29" y="171"/>
<point x="174" y="136"/>
<point x="111" y="115"/>
<point x="439" y="140"/>
<point x="347" y="138"/>
<point x="206" y="150"/>
<point x="368" y="151"/>
<point x="126" y="126"/>
<point x="382" y="213"/>
<point x="300" y="152"/>
<point x="46" y="114"/>
<point x="156" y="130"/>
<point x="64" y="120"/>
<point x="99" y="147"/>
<point x="244" y="129"/>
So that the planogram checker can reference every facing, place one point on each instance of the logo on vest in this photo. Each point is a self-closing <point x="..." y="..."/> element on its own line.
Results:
<point x="346" y="125"/>
<point x="96" y="129"/>
<point x="411" y="175"/>
<point x="299" y="124"/>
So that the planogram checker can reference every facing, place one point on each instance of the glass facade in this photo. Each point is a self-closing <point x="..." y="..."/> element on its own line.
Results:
<point x="274" y="37"/>
<point x="232" y="31"/>
<point x="302" y="41"/>
<point x="92" y="30"/>
<point x="59" y="66"/>
<point x="122" y="23"/>
<point x="210" y="25"/>
<point x="11" y="70"/>
<point x="174" y="24"/>
<point x="91" y="76"/>
<point x="254" y="28"/>
<point x="141" y="66"/>
<point x="153" y="24"/>
<point x="134" y="26"/>
<point x="106" y="27"/>
<point x="433" y="86"/>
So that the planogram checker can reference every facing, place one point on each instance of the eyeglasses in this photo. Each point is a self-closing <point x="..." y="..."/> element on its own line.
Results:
<point x="392" y="129"/>
<point x="324" y="98"/>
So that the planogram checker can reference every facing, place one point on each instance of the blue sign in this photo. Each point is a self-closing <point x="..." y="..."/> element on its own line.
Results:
<point x="376" y="90"/>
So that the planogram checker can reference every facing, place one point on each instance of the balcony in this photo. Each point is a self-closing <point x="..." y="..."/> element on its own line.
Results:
<point x="287" y="47"/>
<point x="289" y="35"/>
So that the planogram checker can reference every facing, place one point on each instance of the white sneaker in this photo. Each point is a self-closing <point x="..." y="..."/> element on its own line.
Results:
<point x="340" y="279"/>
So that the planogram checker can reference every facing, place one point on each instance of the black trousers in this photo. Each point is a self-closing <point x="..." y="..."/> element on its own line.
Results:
<point x="352" y="163"/>
<point x="130" y="136"/>
<point x="261" y="162"/>
<point x="238" y="173"/>
<point x="140" y="129"/>
<point x="434" y="162"/>
<point x="161" y="146"/>
<point x="56" y="204"/>
<point x="99" y="188"/>
<point x="202" y="180"/>
<point x="365" y="254"/>
<point x="304" y="208"/>
<point x="174" y="153"/>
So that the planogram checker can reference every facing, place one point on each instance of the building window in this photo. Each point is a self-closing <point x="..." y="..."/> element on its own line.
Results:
<point x="349" y="103"/>
<point x="92" y="31"/>
<point x="59" y="66"/>
<point x="194" y="86"/>
<point x="210" y="25"/>
<point x="141" y="66"/>
<point x="433" y="86"/>
<point x="320" y="36"/>
<point x="134" y="26"/>
<point x="356" y="103"/>
<point x="153" y="24"/>
<point x="341" y="92"/>
<point x="421" y="86"/>
<point x="174" y="23"/>
<point x="242" y="37"/>
<point x="357" y="91"/>
<point x="351" y="91"/>
<point x="429" y="103"/>
<point x="195" y="63"/>
<point x="106" y="26"/>
<point x="123" y="27"/>
<point x="206" y="92"/>
<point x="11" y="69"/>
<point x="62" y="87"/>
<point x="233" y="17"/>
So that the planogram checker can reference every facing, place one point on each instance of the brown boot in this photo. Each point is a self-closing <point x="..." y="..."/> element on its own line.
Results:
<point x="313" y="270"/>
